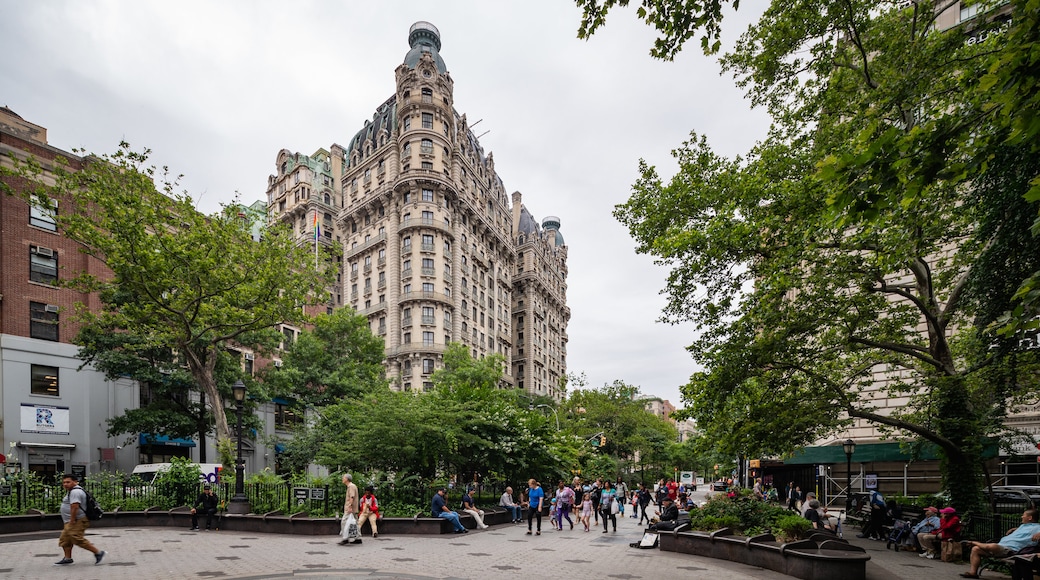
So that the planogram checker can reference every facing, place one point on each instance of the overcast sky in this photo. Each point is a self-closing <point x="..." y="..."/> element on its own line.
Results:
<point x="215" y="89"/>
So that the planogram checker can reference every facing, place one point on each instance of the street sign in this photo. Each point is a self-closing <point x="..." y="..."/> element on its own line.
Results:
<point x="5" y="490"/>
<point x="318" y="493"/>
<point x="870" y="481"/>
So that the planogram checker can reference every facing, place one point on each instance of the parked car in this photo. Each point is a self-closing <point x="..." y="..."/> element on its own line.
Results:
<point x="1012" y="499"/>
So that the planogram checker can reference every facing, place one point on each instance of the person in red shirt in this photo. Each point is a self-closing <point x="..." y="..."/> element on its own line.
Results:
<point x="673" y="490"/>
<point x="369" y="510"/>
<point x="949" y="531"/>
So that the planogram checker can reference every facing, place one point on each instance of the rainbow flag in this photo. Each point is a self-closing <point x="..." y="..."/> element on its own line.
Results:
<point x="317" y="227"/>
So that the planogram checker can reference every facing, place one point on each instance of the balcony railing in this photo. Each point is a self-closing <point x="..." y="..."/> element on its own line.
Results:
<point x="429" y="272"/>
<point x="428" y="320"/>
<point x="365" y="246"/>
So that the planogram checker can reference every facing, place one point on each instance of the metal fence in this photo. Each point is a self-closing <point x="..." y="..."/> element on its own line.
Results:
<point x="990" y="527"/>
<point x="288" y="497"/>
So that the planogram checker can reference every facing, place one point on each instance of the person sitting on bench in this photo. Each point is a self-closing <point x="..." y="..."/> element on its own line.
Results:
<point x="1025" y="535"/>
<point x="669" y="516"/>
<point x="207" y="500"/>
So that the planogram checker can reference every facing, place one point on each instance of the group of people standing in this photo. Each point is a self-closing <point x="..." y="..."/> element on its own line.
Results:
<point x="588" y="503"/>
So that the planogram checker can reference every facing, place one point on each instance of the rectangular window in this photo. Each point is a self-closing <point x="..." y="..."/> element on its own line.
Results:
<point x="427" y="366"/>
<point x="427" y="217"/>
<point x="43" y="380"/>
<point x="407" y="338"/>
<point x="42" y="212"/>
<point x="427" y="386"/>
<point x="43" y="265"/>
<point x="427" y="338"/>
<point x="428" y="165"/>
<point x="427" y="195"/>
<point x="43" y="321"/>
<point x="427" y="120"/>
<point x="285" y="417"/>
<point x="427" y="287"/>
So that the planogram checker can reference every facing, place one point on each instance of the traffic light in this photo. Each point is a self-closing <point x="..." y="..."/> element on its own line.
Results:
<point x="602" y="440"/>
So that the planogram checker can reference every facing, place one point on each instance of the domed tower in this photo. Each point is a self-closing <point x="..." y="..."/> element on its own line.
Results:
<point x="428" y="241"/>
<point x="540" y="311"/>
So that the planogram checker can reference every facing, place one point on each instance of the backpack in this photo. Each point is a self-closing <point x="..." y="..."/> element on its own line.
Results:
<point x="93" y="508"/>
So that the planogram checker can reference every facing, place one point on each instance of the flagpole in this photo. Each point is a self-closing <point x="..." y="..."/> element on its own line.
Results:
<point x="315" y="239"/>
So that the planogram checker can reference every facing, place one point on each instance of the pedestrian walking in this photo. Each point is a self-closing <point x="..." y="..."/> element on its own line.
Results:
<point x="564" y="501"/>
<point x="596" y="491"/>
<point x="535" y="497"/>
<point x="586" y="510"/>
<point x="350" y="507"/>
<point x="622" y="495"/>
<point x="608" y="505"/>
<point x="74" y="515"/>
<point x="644" y="502"/>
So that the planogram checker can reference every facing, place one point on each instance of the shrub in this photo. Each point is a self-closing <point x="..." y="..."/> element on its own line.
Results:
<point x="790" y="526"/>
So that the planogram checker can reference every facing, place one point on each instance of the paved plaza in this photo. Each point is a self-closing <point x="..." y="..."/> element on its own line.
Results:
<point x="500" y="552"/>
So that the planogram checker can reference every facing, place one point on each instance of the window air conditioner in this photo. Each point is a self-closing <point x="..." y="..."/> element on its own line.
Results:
<point x="50" y="308"/>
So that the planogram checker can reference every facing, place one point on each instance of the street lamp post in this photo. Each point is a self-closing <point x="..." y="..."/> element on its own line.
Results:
<point x="239" y="504"/>
<point x="850" y="447"/>
<point x="553" y="409"/>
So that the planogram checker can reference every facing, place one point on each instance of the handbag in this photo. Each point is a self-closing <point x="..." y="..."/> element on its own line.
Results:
<point x="613" y="506"/>
<point x="952" y="551"/>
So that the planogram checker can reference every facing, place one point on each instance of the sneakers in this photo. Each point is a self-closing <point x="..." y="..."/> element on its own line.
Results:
<point x="923" y="555"/>
<point x="930" y="556"/>
<point x="195" y="529"/>
<point x="63" y="562"/>
<point x="99" y="557"/>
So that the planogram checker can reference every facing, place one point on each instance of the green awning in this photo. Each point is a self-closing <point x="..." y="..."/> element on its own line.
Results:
<point x="871" y="452"/>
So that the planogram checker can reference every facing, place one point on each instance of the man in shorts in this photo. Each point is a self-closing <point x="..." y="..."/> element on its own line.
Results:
<point x="74" y="514"/>
<point x="1023" y="536"/>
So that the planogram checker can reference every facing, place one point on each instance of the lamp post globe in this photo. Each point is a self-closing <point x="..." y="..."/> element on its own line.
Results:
<point x="239" y="504"/>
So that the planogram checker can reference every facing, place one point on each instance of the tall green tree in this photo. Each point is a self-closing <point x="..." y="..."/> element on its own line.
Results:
<point x="336" y="357"/>
<point x="182" y="280"/>
<point x="829" y="269"/>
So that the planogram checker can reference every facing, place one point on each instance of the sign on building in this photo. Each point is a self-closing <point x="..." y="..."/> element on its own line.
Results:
<point x="47" y="419"/>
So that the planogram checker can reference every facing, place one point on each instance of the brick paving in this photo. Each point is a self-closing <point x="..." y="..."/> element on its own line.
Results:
<point x="499" y="552"/>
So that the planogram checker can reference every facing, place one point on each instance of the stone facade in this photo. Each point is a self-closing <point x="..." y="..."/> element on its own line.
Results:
<point x="430" y="243"/>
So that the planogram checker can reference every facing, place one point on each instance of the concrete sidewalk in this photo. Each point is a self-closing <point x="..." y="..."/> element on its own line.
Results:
<point x="886" y="564"/>
<point x="500" y="552"/>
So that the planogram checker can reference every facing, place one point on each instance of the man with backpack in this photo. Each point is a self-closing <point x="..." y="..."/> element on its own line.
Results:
<point x="74" y="509"/>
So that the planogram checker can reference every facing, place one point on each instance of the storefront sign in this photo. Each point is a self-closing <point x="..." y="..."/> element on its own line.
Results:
<point x="46" y="419"/>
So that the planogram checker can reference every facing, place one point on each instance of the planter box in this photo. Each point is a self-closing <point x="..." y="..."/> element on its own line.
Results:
<point x="271" y="523"/>
<point x="819" y="558"/>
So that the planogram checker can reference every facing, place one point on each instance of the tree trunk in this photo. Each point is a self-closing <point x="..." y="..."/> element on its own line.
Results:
<point x="202" y="371"/>
<point x="202" y="427"/>
<point x="955" y="420"/>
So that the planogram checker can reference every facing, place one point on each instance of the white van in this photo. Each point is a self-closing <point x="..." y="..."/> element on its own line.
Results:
<point x="146" y="472"/>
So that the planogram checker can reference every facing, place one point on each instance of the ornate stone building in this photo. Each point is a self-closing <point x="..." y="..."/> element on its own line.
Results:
<point x="432" y="249"/>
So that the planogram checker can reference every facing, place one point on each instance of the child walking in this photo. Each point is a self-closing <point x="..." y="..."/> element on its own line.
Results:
<point x="586" y="510"/>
